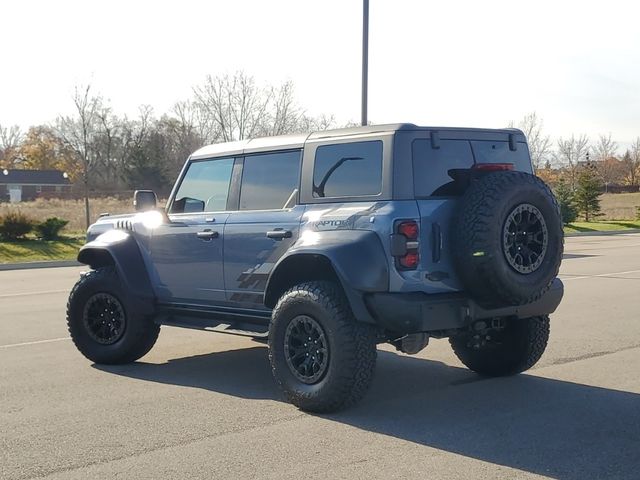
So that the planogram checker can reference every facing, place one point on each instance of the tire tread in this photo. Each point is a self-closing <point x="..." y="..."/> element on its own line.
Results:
<point x="356" y="340"/>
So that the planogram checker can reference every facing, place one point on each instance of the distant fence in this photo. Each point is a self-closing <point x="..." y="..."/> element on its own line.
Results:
<point x="620" y="188"/>
<point x="79" y="195"/>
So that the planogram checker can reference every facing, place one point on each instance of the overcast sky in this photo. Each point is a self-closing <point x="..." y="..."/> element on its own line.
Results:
<point x="431" y="62"/>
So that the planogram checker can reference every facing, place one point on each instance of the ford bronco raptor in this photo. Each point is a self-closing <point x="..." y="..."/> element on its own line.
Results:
<point x="330" y="243"/>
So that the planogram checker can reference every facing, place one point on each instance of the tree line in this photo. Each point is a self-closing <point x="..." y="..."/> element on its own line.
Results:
<point x="566" y="157"/>
<point x="107" y="152"/>
<point x="579" y="170"/>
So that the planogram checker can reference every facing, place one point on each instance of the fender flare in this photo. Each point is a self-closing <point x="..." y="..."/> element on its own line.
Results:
<point x="356" y="256"/>
<point x="121" y="249"/>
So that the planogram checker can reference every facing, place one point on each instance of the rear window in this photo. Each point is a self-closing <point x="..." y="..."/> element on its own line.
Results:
<point x="498" y="152"/>
<point x="430" y="165"/>
<point x="348" y="170"/>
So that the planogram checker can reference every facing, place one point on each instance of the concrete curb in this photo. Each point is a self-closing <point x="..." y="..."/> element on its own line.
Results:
<point x="30" y="265"/>
<point x="602" y="234"/>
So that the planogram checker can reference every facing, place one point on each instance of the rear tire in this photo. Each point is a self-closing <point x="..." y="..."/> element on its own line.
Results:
<point x="343" y="354"/>
<point x="103" y="326"/>
<point x="513" y="350"/>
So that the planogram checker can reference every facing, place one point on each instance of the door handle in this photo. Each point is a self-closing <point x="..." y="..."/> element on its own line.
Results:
<point x="207" y="234"/>
<point x="279" y="234"/>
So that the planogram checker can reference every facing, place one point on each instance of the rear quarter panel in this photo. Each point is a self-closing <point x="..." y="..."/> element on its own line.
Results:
<point x="381" y="217"/>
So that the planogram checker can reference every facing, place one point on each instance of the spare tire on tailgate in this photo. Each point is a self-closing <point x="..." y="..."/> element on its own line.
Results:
<point x="507" y="238"/>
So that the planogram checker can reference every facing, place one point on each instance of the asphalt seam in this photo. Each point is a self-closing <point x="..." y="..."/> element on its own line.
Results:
<point x="561" y="361"/>
<point x="599" y="275"/>
<point x="168" y="446"/>
<point x="587" y="356"/>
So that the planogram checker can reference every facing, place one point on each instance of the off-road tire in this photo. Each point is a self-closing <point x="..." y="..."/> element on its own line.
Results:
<point x="477" y="236"/>
<point x="351" y="345"/>
<point x="516" y="349"/>
<point x="140" y="332"/>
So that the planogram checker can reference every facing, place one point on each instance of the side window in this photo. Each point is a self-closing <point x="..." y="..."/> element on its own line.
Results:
<point x="431" y="165"/>
<point x="348" y="169"/>
<point x="205" y="187"/>
<point x="270" y="181"/>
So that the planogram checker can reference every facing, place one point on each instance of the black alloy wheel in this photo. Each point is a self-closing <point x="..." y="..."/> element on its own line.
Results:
<point x="104" y="318"/>
<point x="525" y="238"/>
<point x="306" y="349"/>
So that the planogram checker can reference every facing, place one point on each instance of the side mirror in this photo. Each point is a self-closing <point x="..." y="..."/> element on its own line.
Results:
<point x="144" y="200"/>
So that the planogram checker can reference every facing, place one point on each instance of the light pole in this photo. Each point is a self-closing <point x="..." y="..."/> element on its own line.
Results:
<point x="365" y="58"/>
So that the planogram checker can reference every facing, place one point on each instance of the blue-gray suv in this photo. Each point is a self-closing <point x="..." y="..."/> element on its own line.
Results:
<point x="330" y="243"/>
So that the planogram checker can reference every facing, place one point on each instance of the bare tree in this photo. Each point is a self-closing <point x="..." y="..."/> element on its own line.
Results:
<point x="570" y="152"/>
<point x="631" y="162"/>
<point x="605" y="148"/>
<point x="236" y="108"/>
<point x="109" y="128"/>
<point x="234" y="105"/>
<point x="319" y="123"/>
<point x="608" y="166"/>
<point x="286" y="114"/>
<point x="78" y="133"/>
<point x="187" y="129"/>
<point x="10" y="138"/>
<point x="539" y="142"/>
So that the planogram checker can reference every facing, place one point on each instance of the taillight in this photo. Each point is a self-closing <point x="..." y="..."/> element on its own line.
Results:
<point x="492" y="167"/>
<point x="404" y="245"/>
<point x="410" y="260"/>
<point x="409" y="230"/>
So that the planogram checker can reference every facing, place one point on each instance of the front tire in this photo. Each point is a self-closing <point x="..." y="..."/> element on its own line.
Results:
<point x="103" y="326"/>
<point x="321" y="357"/>
<point x="509" y="351"/>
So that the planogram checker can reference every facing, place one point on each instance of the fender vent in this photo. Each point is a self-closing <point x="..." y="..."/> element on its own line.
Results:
<point x="123" y="225"/>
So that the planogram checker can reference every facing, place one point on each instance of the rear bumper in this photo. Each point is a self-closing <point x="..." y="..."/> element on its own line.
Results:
<point x="420" y="312"/>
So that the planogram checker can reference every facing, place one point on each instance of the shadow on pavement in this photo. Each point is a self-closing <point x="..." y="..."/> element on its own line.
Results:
<point x="548" y="427"/>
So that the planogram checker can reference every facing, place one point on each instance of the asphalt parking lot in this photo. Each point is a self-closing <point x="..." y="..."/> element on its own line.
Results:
<point x="202" y="405"/>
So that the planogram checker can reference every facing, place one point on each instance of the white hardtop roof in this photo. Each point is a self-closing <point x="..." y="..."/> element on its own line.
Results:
<point x="287" y="142"/>
<point x="280" y="142"/>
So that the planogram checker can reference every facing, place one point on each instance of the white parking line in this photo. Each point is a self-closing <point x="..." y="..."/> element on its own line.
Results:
<point x="25" y="294"/>
<point x="599" y="275"/>
<point x="35" y="343"/>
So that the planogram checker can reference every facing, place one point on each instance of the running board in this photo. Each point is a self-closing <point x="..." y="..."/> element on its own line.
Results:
<point x="222" y="328"/>
<point x="215" y="321"/>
